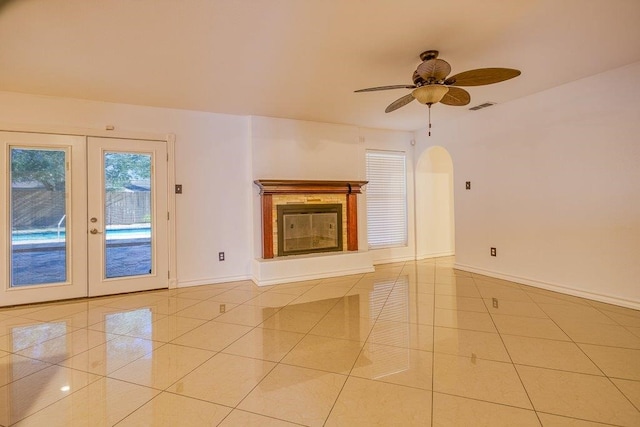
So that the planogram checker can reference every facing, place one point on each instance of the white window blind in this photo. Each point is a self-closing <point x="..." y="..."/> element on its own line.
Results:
<point x="386" y="199"/>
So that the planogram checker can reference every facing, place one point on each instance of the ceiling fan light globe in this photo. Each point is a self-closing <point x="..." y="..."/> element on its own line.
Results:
<point x="430" y="94"/>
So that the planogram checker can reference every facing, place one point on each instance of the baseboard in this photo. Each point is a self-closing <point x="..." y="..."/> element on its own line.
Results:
<point x="623" y="302"/>
<point x="434" y="255"/>
<point x="412" y="258"/>
<point x="211" y="281"/>
<point x="392" y="260"/>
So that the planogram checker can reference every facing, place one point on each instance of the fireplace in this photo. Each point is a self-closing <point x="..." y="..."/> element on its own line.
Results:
<point x="309" y="228"/>
<point x="302" y="217"/>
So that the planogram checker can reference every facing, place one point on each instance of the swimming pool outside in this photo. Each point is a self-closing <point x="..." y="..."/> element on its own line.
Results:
<point x="44" y="235"/>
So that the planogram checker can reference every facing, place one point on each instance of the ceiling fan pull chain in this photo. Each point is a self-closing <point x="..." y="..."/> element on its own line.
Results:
<point x="429" y="105"/>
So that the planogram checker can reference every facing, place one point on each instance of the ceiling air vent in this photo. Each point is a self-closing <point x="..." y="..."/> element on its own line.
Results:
<point x="481" y="106"/>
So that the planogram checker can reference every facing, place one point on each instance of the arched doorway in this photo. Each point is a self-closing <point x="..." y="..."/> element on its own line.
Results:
<point x="435" y="226"/>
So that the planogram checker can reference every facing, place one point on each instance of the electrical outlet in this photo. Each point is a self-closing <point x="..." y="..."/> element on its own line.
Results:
<point x="467" y="185"/>
<point x="493" y="251"/>
<point x="178" y="188"/>
<point x="495" y="302"/>
<point x="220" y="256"/>
<point x="223" y="308"/>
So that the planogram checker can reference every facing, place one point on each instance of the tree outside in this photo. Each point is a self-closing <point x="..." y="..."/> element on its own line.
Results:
<point x="47" y="167"/>
<point x="122" y="168"/>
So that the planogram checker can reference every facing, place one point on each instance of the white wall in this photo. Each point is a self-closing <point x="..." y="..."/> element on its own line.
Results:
<point x="212" y="162"/>
<point x="293" y="149"/>
<point x="555" y="187"/>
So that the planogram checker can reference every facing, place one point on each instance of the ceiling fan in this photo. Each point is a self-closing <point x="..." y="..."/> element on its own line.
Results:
<point x="431" y="84"/>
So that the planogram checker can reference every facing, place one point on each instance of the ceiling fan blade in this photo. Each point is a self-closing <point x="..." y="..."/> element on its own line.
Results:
<point x="373" y="89"/>
<point x="482" y="76"/>
<point x="434" y="69"/>
<point x="401" y="102"/>
<point x="456" y="97"/>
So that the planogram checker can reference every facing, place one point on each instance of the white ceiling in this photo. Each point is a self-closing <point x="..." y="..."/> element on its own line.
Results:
<point x="303" y="59"/>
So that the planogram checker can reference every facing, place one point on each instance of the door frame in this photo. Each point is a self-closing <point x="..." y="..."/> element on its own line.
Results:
<point x="168" y="138"/>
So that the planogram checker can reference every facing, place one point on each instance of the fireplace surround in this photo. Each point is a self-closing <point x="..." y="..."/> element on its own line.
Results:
<point x="308" y="193"/>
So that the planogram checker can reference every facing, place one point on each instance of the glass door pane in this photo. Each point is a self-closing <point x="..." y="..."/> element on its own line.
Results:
<point x="39" y="250"/>
<point x="43" y="211"/>
<point x="127" y="178"/>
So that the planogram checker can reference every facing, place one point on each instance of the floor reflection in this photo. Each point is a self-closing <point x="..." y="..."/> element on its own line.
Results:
<point x="414" y="343"/>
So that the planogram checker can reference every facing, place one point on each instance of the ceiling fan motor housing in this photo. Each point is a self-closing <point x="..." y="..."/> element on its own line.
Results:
<point x="429" y="54"/>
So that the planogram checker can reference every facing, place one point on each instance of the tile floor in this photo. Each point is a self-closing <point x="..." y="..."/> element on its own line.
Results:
<point x="414" y="343"/>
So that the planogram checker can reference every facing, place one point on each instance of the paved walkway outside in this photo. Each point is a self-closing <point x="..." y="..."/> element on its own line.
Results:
<point x="37" y="265"/>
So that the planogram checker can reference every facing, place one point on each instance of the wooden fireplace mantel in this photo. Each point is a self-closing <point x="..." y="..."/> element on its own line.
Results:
<point x="269" y="187"/>
<point x="280" y="186"/>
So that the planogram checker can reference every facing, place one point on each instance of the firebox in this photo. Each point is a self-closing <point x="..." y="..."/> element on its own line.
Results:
<point x="309" y="228"/>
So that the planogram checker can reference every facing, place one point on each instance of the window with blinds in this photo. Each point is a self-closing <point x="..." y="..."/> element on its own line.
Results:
<point x="386" y="199"/>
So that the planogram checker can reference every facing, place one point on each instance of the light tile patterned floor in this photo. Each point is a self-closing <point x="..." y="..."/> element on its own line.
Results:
<point x="414" y="343"/>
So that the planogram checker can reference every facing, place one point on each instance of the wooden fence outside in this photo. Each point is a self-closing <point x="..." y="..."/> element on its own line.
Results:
<point x="41" y="208"/>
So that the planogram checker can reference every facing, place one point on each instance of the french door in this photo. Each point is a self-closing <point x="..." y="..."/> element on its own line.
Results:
<point x="82" y="216"/>
<point x="127" y="214"/>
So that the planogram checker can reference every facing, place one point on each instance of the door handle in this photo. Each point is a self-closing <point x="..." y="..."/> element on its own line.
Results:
<point x="95" y="231"/>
